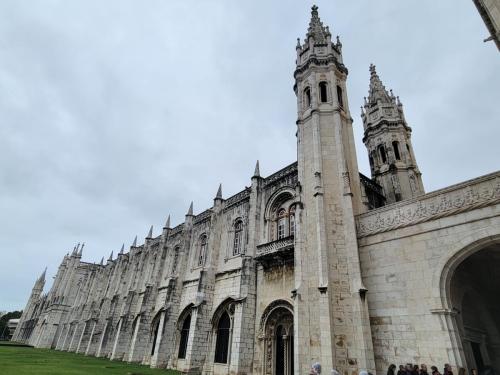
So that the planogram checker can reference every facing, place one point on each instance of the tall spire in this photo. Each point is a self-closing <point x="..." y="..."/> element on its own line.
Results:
<point x="167" y="224"/>
<point x="81" y="250"/>
<point x="190" y="210"/>
<point x="377" y="90"/>
<point x="316" y="30"/>
<point x="256" y="173"/>
<point x="150" y="233"/>
<point x="122" y="249"/>
<point x="134" y="244"/>
<point x="110" y="256"/>
<point x="42" y="276"/>
<point x="102" y="261"/>
<point x="219" y="192"/>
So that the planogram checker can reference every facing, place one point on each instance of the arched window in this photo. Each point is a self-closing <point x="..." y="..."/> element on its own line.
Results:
<point x="383" y="155"/>
<point x="307" y="97"/>
<point x="339" y="96"/>
<point x="155" y="335"/>
<point x="203" y="250"/>
<point x="184" y="337"/>
<point x="281" y="228"/>
<point x="222" y="340"/>
<point x="238" y="237"/>
<point x="395" y="146"/>
<point x="292" y="221"/>
<point x="176" y="259"/>
<point x="323" y="92"/>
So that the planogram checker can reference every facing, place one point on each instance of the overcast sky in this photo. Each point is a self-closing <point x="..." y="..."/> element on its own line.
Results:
<point x="114" y="114"/>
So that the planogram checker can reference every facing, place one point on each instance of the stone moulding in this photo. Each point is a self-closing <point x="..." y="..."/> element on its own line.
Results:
<point x="480" y="192"/>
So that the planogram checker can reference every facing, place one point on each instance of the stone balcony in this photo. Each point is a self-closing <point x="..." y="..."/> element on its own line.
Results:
<point x="276" y="252"/>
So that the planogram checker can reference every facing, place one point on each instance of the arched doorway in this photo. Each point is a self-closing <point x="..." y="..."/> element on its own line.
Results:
<point x="474" y="285"/>
<point x="277" y="330"/>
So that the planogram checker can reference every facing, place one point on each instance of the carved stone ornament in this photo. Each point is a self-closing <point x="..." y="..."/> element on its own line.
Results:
<point x="480" y="192"/>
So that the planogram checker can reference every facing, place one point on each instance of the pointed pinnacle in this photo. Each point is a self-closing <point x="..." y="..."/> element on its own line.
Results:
<point x="256" y="173"/>
<point x="167" y="224"/>
<point x="110" y="256"/>
<point x="102" y="261"/>
<point x="190" y="211"/>
<point x="81" y="250"/>
<point x="42" y="276"/>
<point x="134" y="244"/>
<point x="219" y="192"/>
<point x="150" y="233"/>
<point x="122" y="249"/>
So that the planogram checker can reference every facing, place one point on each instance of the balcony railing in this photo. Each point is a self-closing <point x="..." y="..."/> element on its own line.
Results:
<point x="278" y="247"/>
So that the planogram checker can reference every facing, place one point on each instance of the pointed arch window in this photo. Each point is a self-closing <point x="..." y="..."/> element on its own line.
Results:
<point x="340" y="96"/>
<point x="184" y="337"/>
<point x="203" y="250"/>
<point x="383" y="155"/>
<point x="238" y="237"/>
<point x="281" y="223"/>
<point x="222" y="340"/>
<point x="395" y="146"/>
<point x="292" y="220"/>
<point x="307" y="97"/>
<point x="323" y="92"/>
<point x="176" y="259"/>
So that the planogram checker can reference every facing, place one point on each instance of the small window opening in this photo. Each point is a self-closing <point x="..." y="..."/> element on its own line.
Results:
<point x="339" y="96"/>
<point x="203" y="250"/>
<point x="238" y="236"/>
<point x="222" y="340"/>
<point x="383" y="156"/>
<point x="292" y="221"/>
<point x="307" y="97"/>
<point x="395" y="146"/>
<point x="184" y="337"/>
<point x="323" y="92"/>
<point x="281" y="223"/>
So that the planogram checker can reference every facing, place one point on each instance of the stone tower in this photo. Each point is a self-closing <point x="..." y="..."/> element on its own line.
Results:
<point x="388" y="140"/>
<point x="331" y="317"/>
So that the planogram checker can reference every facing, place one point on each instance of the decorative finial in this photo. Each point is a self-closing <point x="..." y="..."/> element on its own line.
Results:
<point x="190" y="210"/>
<point x="219" y="192"/>
<point x="122" y="249"/>
<point x="298" y="43"/>
<point x="167" y="224"/>
<point x="372" y="69"/>
<point x="134" y="244"/>
<point x="256" y="173"/>
<point x="150" y="233"/>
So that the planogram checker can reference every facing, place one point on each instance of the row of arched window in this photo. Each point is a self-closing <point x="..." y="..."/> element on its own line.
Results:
<point x="237" y="244"/>
<point x="324" y="95"/>
<point x="381" y="153"/>
<point x="283" y="224"/>
<point x="222" y="337"/>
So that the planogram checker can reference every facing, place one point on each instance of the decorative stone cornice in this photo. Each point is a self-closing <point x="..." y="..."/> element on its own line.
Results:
<point x="477" y="193"/>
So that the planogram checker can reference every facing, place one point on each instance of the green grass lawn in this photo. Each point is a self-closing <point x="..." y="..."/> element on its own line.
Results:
<point x="26" y="360"/>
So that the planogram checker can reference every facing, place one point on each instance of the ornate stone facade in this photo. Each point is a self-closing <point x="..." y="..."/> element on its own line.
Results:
<point x="313" y="263"/>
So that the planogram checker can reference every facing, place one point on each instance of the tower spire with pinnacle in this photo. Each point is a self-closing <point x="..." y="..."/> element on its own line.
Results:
<point x="328" y="176"/>
<point x="387" y="138"/>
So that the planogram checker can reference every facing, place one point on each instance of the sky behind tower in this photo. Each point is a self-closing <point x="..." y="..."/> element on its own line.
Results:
<point x="116" y="114"/>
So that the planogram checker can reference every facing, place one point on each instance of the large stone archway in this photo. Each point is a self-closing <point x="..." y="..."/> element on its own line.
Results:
<point x="277" y="336"/>
<point x="472" y="286"/>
